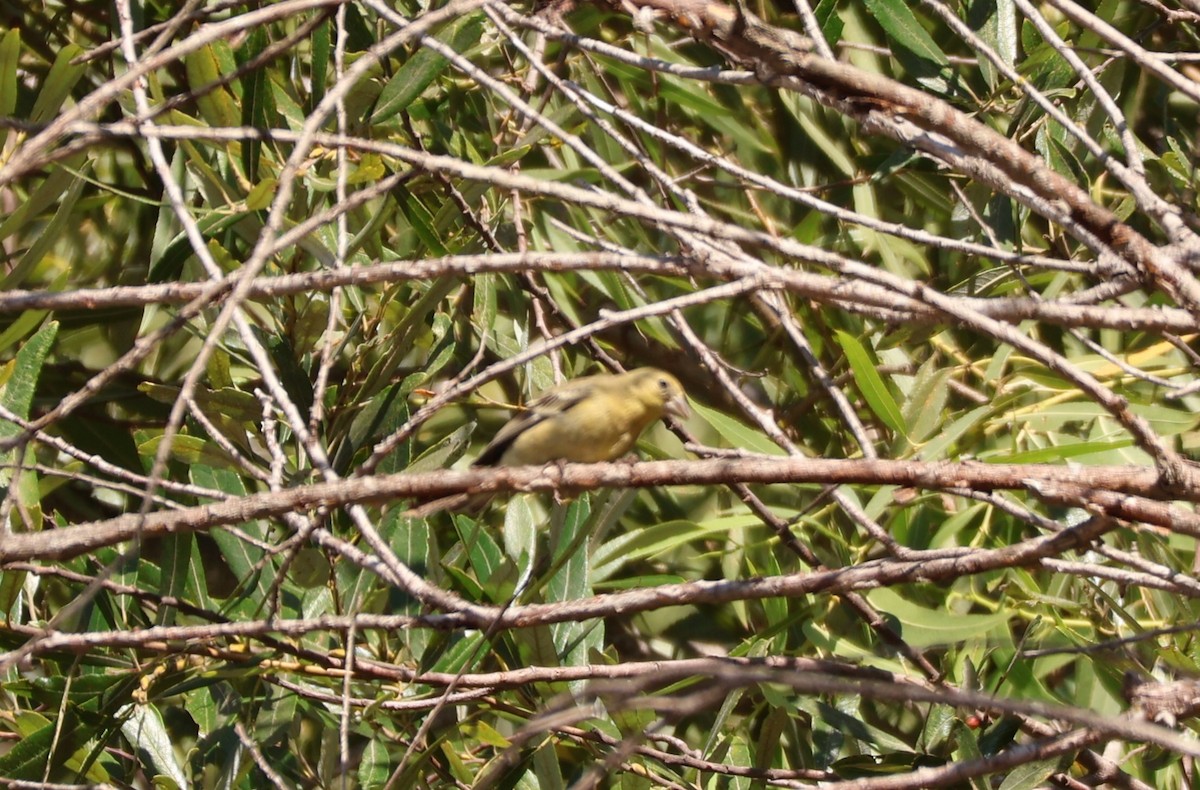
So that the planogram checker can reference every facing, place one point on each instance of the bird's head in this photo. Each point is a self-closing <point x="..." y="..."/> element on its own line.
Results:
<point x="661" y="392"/>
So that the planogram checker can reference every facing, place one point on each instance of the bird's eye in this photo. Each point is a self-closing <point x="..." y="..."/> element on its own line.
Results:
<point x="664" y="385"/>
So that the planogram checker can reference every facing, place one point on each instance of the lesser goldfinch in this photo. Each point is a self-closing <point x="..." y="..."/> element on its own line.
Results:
<point x="587" y="420"/>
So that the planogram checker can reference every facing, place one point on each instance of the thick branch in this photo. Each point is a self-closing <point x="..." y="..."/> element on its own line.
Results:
<point x="1107" y="480"/>
<point x="843" y="291"/>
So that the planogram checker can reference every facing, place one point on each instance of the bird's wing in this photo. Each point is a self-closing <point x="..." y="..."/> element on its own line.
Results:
<point x="548" y="404"/>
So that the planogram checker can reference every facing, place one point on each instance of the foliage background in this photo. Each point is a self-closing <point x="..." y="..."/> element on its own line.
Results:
<point x="322" y="241"/>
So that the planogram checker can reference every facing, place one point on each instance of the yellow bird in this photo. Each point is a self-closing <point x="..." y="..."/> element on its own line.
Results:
<point x="587" y="420"/>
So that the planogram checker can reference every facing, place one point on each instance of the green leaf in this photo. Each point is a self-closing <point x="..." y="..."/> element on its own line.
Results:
<point x="520" y="530"/>
<point x="218" y="107"/>
<point x="10" y="51"/>
<point x="547" y="767"/>
<point x="923" y="408"/>
<point x="421" y="221"/>
<point x="228" y="401"/>
<point x="968" y="750"/>
<point x="29" y="756"/>
<point x="17" y="396"/>
<point x="321" y="48"/>
<point x="24" y="373"/>
<point x="924" y="627"/>
<point x="58" y="85"/>
<point x="144" y="729"/>
<point x="486" y="556"/>
<point x="419" y="72"/>
<point x="261" y="195"/>
<point x="826" y="12"/>
<point x="374" y="765"/>
<point x="255" y="99"/>
<point x="176" y="562"/>
<point x="573" y="640"/>
<point x="914" y="46"/>
<point x="735" y="433"/>
<point x="245" y="559"/>
<point x="55" y="749"/>
<point x="659" y="539"/>
<point x="996" y="23"/>
<point x="870" y="383"/>
<point x="1030" y="776"/>
<point x="190" y="450"/>
<point x="1057" y="453"/>
<point x="46" y="194"/>
<point x="40" y="249"/>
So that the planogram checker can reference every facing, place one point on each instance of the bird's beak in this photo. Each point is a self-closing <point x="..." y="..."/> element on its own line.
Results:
<point x="678" y="407"/>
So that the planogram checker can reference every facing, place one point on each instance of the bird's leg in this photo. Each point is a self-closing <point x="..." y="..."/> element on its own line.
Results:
<point x="562" y="494"/>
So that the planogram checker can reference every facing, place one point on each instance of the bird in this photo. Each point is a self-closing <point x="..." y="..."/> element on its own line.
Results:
<point x="587" y="420"/>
